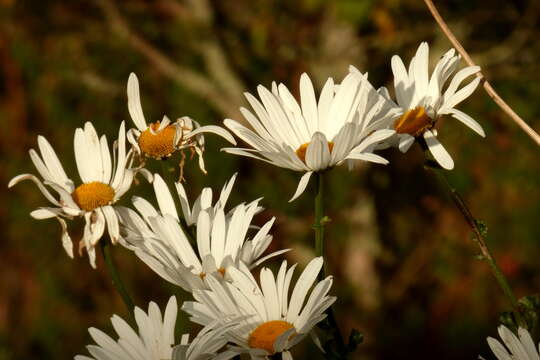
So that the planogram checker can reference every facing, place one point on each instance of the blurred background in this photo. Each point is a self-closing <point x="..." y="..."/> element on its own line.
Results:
<point x="402" y="256"/>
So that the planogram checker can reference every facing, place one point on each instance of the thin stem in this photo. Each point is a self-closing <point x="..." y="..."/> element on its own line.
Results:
<point x="319" y="216"/>
<point x="318" y="226"/>
<point x="116" y="280"/>
<point x="487" y="86"/>
<point x="481" y="242"/>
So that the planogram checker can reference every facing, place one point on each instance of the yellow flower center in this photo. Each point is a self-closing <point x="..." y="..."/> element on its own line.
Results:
<point x="93" y="195"/>
<point x="221" y="270"/>
<point x="414" y="122"/>
<point x="265" y="335"/>
<point x="160" y="144"/>
<point x="301" y="151"/>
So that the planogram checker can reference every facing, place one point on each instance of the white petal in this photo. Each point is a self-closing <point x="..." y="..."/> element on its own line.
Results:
<point x="93" y="148"/>
<point x="112" y="223"/>
<point x="45" y="213"/>
<point x="82" y="156"/>
<point x="528" y="344"/>
<point x="164" y="197"/>
<point x="106" y="158"/>
<point x="367" y="157"/>
<point x="458" y="79"/>
<point x="66" y="239"/>
<point x="119" y="172"/>
<point x="36" y="181"/>
<point x="301" y="185"/>
<point x="213" y="129"/>
<point x="134" y="102"/>
<point x="462" y="94"/>
<point x="317" y="153"/>
<point x="405" y="142"/>
<point x="401" y="82"/>
<point x="308" y="102"/>
<point x="51" y="161"/>
<point x="438" y="151"/>
<point x="421" y="68"/>
<point x="184" y="203"/>
<point x="469" y="121"/>
<point x="304" y="282"/>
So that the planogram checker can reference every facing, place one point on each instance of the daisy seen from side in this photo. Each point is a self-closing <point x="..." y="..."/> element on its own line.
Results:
<point x="220" y="240"/>
<point x="423" y="100"/>
<point x="344" y="123"/>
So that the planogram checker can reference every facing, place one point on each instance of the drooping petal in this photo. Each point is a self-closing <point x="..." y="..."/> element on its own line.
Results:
<point x="469" y="121"/>
<point x="302" y="184"/>
<point x="438" y="151"/>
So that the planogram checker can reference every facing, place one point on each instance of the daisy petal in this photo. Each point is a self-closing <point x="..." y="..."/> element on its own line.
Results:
<point x="438" y="151"/>
<point x="301" y="185"/>
<point x="134" y="103"/>
<point x="469" y="121"/>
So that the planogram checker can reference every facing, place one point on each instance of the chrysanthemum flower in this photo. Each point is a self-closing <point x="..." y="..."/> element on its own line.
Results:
<point x="221" y="239"/>
<point x="103" y="183"/>
<point x="273" y="322"/>
<point x="155" y="339"/>
<point x="517" y="348"/>
<point x="161" y="139"/>
<point x="422" y="101"/>
<point x="314" y="135"/>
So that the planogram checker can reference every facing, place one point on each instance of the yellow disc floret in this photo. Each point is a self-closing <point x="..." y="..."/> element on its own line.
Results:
<point x="160" y="144"/>
<point x="414" y="122"/>
<point x="302" y="150"/>
<point x="93" y="195"/>
<point x="264" y="336"/>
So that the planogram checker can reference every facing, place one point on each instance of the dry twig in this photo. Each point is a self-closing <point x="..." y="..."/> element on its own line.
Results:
<point x="487" y="86"/>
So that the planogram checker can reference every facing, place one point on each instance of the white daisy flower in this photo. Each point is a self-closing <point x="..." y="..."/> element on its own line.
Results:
<point x="273" y="322"/>
<point x="104" y="181"/>
<point x="222" y="240"/>
<point x="517" y="348"/>
<point x="155" y="339"/>
<point x="203" y="201"/>
<point x="422" y="101"/>
<point x="162" y="138"/>
<point x="312" y="136"/>
<point x="206" y="345"/>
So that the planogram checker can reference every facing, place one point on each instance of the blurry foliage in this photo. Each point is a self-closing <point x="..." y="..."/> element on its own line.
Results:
<point x="404" y="265"/>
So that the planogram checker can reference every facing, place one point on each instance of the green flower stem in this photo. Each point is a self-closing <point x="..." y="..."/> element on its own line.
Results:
<point x="116" y="280"/>
<point x="337" y="345"/>
<point x="481" y="242"/>
<point x="319" y="217"/>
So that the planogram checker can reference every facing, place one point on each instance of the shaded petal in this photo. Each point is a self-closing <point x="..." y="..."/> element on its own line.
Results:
<point x="134" y="102"/>
<point x="36" y="181"/>
<point x="215" y="130"/>
<point x="302" y="184"/>
<point x="469" y="121"/>
<point x="438" y="151"/>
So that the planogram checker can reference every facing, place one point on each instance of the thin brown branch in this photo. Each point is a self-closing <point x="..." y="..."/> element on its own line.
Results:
<point x="193" y="81"/>
<point x="487" y="86"/>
